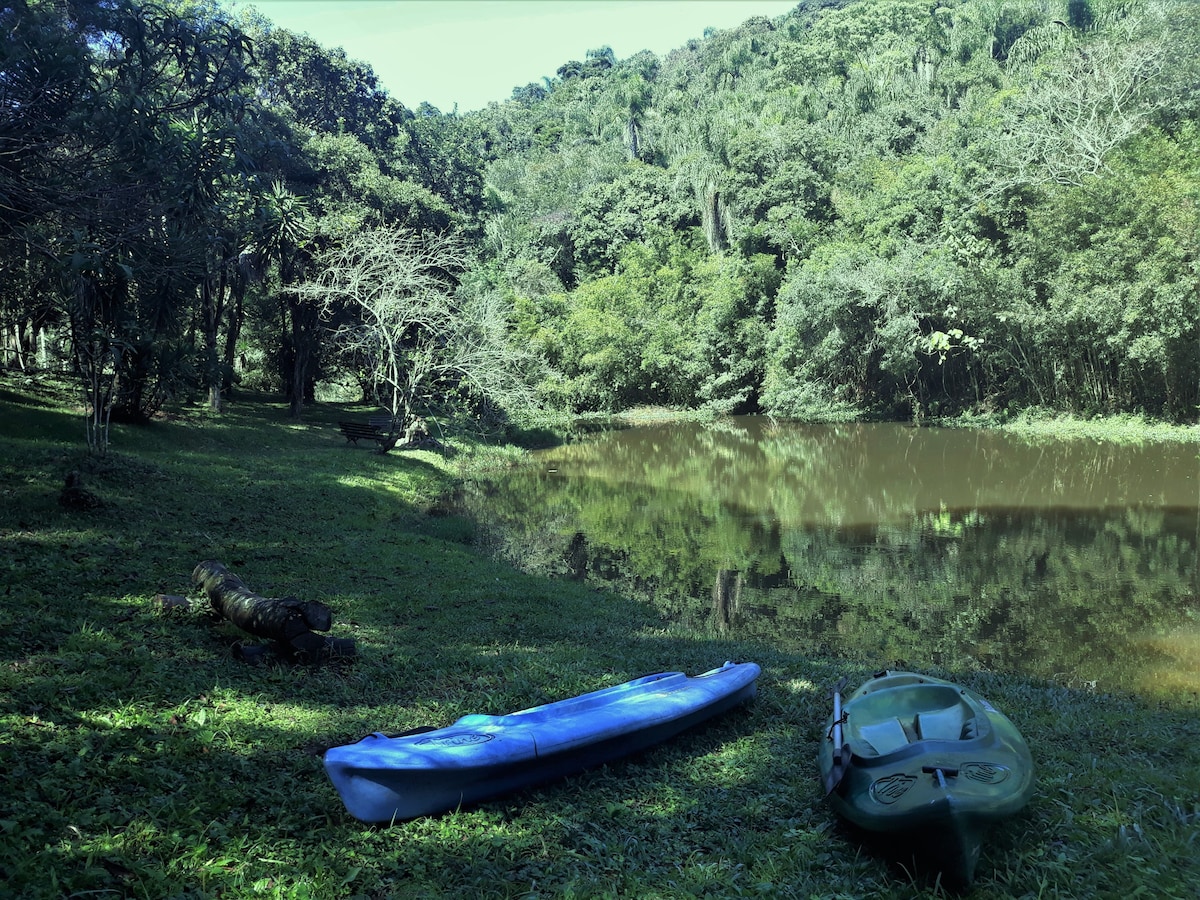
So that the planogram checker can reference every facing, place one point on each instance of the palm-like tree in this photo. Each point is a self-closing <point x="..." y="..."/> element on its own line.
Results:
<point x="633" y="99"/>
<point x="284" y="236"/>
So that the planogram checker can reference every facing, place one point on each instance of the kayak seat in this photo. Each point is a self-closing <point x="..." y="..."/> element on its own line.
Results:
<point x="884" y="736"/>
<point x="941" y="724"/>
<point x="939" y="715"/>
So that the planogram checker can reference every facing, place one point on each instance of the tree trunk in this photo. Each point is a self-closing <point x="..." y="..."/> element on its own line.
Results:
<point x="233" y="327"/>
<point x="304" y="329"/>
<point x="286" y="620"/>
<point x="212" y="309"/>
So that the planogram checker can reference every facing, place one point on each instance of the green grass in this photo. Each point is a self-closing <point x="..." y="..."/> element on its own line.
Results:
<point x="139" y="758"/>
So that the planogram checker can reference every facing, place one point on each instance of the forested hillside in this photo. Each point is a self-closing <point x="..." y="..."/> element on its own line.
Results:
<point x="896" y="208"/>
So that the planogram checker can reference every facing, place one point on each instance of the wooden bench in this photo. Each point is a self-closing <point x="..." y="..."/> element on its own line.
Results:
<point x="356" y="431"/>
<point x="381" y="423"/>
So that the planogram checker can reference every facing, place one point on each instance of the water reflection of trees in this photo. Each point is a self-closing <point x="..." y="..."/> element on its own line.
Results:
<point x="1051" y="593"/>
<point x="816" y="539"/>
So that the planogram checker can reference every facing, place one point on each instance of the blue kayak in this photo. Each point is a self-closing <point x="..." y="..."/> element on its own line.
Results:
<point x="382" y="779"/>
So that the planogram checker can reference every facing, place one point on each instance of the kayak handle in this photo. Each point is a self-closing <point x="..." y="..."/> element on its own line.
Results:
<point x="840" y="761"/>
<point x="839" y="717"/>
<point x="941" y="773"/>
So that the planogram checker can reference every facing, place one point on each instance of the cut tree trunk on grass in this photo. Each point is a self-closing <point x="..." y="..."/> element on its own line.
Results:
<point x="286" y="620"/>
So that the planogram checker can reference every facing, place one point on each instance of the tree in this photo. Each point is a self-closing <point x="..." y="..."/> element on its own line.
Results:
<point x="118" y="129"/>
<point x="1079" y="98"/>
<point x="322" y="90"/>
<point x="283" y="235"/>
<point x="633" y="101"/>
<point x="394" y="300"/>
<point x="610" y="214"/>
<point x="1115" y="259"/>
<point x="351" y="158"/>
<point x="443" y="154"/>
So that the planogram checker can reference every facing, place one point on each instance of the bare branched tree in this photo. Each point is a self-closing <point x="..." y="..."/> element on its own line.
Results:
<point x="394" y="301"/>
<point x="1090" y="98"/>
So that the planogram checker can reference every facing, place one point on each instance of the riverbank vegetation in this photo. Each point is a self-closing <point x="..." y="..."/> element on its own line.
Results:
<point x="877" y="208"/>
<point x="1124" y="429"/>
<point x="141" y="758"/>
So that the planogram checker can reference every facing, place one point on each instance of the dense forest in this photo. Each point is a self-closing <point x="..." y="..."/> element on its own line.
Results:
<point x="865" y="208"/>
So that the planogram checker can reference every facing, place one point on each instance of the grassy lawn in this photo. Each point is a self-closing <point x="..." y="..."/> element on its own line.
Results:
<point x="140" y="758"/>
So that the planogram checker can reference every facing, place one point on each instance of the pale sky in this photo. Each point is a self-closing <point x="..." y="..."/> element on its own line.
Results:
<point x="471" y="52"/>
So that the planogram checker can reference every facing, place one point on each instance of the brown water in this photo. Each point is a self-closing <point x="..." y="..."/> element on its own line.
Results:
<point x="1071" y="560"/>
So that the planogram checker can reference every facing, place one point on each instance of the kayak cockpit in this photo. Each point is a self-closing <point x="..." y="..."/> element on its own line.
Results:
<point x="887" y="721"/>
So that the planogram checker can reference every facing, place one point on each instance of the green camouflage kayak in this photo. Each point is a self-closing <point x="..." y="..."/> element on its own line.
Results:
<point x="928" y="760"/>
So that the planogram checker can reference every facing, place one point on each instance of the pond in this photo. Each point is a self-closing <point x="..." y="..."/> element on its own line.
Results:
<point x="1070" y="560"/>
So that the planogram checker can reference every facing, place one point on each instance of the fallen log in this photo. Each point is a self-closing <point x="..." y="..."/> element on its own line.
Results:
<point x="288" y="621"/>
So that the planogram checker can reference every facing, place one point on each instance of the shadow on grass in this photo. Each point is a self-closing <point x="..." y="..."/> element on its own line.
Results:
<point x="125" y="720"/>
